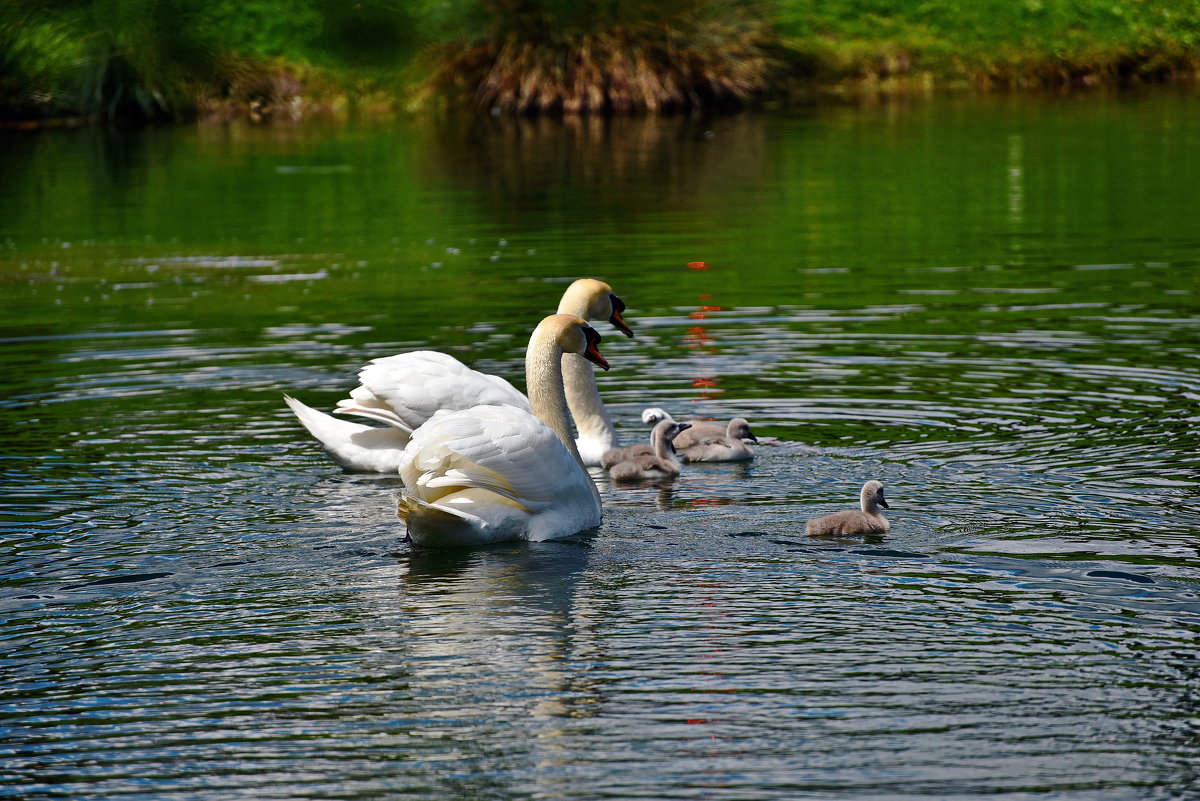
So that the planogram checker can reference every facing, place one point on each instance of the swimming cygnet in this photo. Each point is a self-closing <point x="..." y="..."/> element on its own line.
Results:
<point x="868" y="520"/>
<point x="650" y="417"/>
<point x="659" y="464"/>
<point x="711" y="442"/>
<point x="708" y="441"/>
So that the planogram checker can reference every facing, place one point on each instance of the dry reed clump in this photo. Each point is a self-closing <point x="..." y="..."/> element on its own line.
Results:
<point x="614" y="72"/>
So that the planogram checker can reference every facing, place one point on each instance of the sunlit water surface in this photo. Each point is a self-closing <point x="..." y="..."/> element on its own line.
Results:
<point x="990" y="305"/>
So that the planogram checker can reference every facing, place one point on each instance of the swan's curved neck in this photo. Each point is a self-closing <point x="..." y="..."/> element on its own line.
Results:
<point x="586" y="405"/>
<point x="544" y="385"/>
<point x="868" y="505"/>
<point x="583" y="397"/>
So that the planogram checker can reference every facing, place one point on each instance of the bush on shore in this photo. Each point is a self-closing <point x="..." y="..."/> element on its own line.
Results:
<point x="542" y="56"/>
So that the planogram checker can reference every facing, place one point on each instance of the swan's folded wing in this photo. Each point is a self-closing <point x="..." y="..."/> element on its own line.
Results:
<point x="374" y="410"/>
<point x="499" y="448"/>
<point x="418" y="384"/>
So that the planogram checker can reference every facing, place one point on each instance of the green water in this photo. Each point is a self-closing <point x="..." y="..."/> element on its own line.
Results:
<point x="989" y="304"/>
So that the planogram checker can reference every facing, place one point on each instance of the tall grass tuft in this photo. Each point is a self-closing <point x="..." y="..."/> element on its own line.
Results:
<point x="618" y="58"/>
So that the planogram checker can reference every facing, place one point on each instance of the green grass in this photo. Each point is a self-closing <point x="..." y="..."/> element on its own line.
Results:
<point x="146" y="60"/>
<point x="1012" y="42"/>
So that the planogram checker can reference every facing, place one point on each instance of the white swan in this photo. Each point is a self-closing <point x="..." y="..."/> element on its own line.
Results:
<point x="867" y="519"/>
<point x="404" y="391"/>
<point x="707" y="441"/>
<point x="659" y="464"/>
<point x="494" y="473"/>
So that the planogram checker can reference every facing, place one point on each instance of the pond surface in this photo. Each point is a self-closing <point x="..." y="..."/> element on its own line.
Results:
<point x="991" y="305"/>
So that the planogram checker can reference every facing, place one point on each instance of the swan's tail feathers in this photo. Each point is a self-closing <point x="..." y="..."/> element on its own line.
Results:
<point x="437" y="526"/>
<point x="352" y="445"/>
<point x="374" y="411"/>
<point x="473" y="476"/>
<point x="468" y="517"/>
<point x="410" y="508"/>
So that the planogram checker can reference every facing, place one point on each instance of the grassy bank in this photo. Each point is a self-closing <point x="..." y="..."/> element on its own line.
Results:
<point x="988" y="43"/>
<point x="145" y="60"/>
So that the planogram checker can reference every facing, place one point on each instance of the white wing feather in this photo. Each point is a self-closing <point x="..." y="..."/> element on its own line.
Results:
<point x="499" y="448"/>
<point x="414" y="386"/>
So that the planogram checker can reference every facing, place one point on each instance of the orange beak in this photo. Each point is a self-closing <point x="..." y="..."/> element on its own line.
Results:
<point x="592" y="352"/>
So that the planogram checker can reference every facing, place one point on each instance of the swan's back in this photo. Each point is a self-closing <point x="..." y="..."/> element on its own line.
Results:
<point x="414" y="386"/>
<point x="492" y="473"/>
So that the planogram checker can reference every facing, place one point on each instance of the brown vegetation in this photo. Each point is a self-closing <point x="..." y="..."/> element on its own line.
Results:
<point x="617" y="71"/>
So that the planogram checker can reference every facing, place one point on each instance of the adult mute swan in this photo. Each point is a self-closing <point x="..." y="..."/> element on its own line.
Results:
<point x="867" y="519"/>
<point x="494" y="473"/>
<point x="659" y="464"/>
<point x="405" y="390"/>
<point x="707" y="441"/>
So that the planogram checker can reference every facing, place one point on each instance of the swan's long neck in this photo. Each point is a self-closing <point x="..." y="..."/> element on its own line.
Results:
<point x="583" y="397"/>
<point x="867" y="503"/>
<point x="544" y="385"/>
<point x="547" y="398"/>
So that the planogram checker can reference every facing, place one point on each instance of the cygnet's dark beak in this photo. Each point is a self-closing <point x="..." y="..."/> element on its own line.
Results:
<point x="883" y="503"/>
<point x="684" y="426"/>
<point x="592" y="353"/>
<point x="618" y="306"/>
<point x="750" y="436"/>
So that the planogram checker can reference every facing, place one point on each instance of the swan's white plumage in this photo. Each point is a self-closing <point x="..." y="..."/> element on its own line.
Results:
<point x="412" y="387"/>
<point x="405" y="390"/>
<point x="353" y="445"/>
<point x="402" y="392"/>
<point x="497" y="472"/>
<point x="500" y="449"/>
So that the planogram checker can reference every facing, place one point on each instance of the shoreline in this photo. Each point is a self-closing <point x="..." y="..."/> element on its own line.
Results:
<point x="280" y="95"/>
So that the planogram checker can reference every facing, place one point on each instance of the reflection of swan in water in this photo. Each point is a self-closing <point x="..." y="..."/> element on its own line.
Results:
<point x="404" y="391"/>
<point x="494" y="634"/>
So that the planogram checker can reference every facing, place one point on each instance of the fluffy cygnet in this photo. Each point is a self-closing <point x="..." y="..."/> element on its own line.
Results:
<point x="867" y="520"/>
<point x="707" y="441"/>
<point x="711" y="442"/>
<point x="659" y="464"/>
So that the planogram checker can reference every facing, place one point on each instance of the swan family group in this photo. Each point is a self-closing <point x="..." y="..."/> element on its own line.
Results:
<point x="481" y="462"/>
